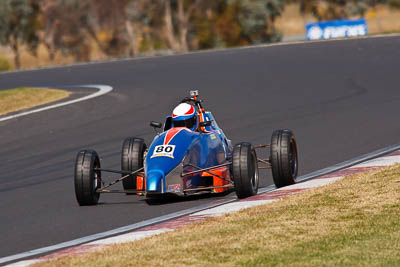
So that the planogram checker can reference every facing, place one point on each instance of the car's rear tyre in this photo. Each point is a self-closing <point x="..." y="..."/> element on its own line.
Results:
<point x="284" y="160"/>
<point x="245" y="170"/>
<point x="132" y="158"/>
<point x="87" y="180"/>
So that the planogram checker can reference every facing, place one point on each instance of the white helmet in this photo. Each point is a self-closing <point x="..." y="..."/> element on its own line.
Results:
<point x="184" y="115"/>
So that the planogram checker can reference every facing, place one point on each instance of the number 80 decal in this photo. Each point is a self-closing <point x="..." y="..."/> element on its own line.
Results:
<point x="164" y="151"/>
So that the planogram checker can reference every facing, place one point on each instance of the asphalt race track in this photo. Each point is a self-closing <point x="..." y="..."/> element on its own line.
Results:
<point x="341" y="98"/>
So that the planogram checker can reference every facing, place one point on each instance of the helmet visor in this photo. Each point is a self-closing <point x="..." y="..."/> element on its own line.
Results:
<point x="189" y="123"/>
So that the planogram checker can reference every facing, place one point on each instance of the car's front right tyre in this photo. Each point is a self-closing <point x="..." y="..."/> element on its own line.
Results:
<point x="87" y="179"/>
<point x="132" y="159"/>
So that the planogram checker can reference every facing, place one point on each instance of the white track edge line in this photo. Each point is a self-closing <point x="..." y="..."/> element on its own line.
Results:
<point x="167" y="217"/>
<point x="349" y="163"/>
<point x="103" y="89"/>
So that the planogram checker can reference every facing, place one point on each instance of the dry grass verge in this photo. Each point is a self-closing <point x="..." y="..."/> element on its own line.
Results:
<point x="353" y="222"/>
<point x="12" y="100"/>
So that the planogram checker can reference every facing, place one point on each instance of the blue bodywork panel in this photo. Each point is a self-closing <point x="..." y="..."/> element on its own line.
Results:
<point x="178" y="150"/>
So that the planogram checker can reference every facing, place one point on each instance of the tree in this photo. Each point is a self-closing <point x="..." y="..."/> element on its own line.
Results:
<point x="178" y="15"/>
<point x="257" y="19"/>
<point x="18" y="26"/>
<point x="49" y="18"/>
<point x="394" y="3"/>
<point x="143" y="22"/>
<point x="339" y="9"/>
<point x="120" y="26"/>
<point x="70" y="29"/>
<point x="110" y="17"/>
<point x="243" y="22"/>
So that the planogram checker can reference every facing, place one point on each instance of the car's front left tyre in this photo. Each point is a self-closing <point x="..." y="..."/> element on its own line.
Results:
<point x="245" y="170"/>
<point x="284" y="160"/>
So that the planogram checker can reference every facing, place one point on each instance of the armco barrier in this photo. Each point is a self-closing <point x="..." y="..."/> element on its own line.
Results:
<point x="336" y="29"/>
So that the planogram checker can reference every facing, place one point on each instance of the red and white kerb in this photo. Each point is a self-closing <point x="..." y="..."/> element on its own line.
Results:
<point x="183" y="109"/>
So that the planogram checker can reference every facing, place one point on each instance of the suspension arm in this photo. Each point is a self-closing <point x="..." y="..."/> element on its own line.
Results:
<point x="120" y="179"/>
<point x="207" y="171"/>
<point x="113" y="171"/>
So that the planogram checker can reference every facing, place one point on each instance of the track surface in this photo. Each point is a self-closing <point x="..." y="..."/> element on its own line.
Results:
<point x="341" y="98"/>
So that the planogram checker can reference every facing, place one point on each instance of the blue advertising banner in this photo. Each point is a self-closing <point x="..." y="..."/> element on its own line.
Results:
<point x="336" y="29"/>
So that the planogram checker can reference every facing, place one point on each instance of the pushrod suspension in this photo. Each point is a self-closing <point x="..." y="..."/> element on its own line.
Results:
<point x="261" y="146"/>
<point x="209" y="187"/>
<point x="266" y="161"/>
<point x="113" y="171"/>
<point x="120" y="179"/>
<point x="206" y="170"/>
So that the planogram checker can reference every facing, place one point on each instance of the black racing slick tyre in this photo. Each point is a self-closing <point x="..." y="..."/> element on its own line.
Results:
<point x="132" y="158"/>
<point x="87" y="180"/>
<point x="245" y="170"/>
<point x="284" y="160"/>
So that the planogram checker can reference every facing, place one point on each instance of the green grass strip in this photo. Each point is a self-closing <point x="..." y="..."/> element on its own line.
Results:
<point x="17" y="99"/>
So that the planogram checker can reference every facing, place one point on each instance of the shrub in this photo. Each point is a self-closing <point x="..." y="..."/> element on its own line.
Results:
<point x="4" y="64"/>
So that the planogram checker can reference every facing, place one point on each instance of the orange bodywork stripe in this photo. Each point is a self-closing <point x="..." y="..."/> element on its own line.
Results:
<point x="140" y="183"/>
<point x="223" y="172"/>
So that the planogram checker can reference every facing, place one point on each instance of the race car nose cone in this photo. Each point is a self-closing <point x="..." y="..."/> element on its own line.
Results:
<point x="154" y="181"/>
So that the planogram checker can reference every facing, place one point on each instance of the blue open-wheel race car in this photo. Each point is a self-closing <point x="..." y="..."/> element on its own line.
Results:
<point x="191" y="155"/>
